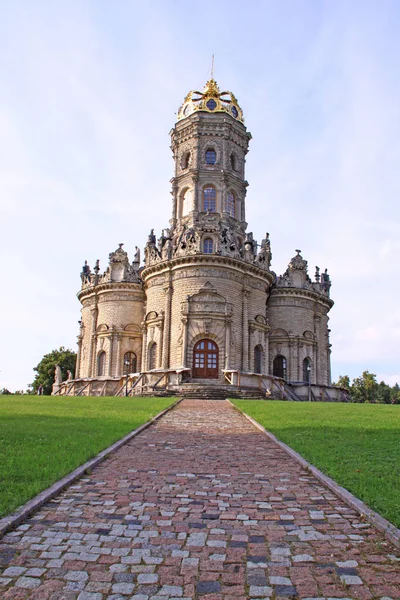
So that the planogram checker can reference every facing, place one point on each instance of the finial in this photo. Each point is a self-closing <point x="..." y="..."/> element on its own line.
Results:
<point x="212" y="67"/>
<point x="298" y="252"/>
<point x="120" y="246"/>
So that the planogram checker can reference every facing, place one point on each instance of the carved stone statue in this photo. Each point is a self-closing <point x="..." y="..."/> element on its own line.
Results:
<point x="326" y="281"/>
<point x="57" y="375"/>
<point x="69" y="375"/>
<point x="136" y="257"/>
<point x="167" y="250"/>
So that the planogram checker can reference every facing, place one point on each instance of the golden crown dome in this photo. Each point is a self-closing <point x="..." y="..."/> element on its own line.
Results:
<point x="211" y="100"/>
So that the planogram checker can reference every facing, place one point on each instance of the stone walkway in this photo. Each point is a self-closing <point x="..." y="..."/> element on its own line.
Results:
<point x="200" y="505"/>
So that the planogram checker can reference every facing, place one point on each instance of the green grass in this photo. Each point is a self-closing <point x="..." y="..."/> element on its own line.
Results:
<point x="43" y="438"/>
<point x="358" y="445"/>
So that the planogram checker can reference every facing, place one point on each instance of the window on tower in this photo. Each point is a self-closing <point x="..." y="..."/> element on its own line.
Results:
<point x="230" y="204"/>
<point x="208" y="246"/>
<point x="209" y="199"/>
<point x="185" y="160"/>
<point x="211" y="156"/>
<point x="233" y="161"/>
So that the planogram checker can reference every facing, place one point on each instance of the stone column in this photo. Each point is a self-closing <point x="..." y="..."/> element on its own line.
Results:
<point x="184" y="341"/>
<point x="160" y="345"/>
<point x="118" y="357"/>
<point x="78" y="356"/>
<point x="228" y="324"/>
<point x="245" y="330"/>
<point x="318" y="360"/>
<point x="144" y="348"/>
<point x="93" y="340"/>
<point x="266" y="353"/>
<point x="167" y="326"/>
<point x="196" y="201"/>
<point x="174" y="193"/>
<point x="292" y="366"/>
<point x="110" y="361"/>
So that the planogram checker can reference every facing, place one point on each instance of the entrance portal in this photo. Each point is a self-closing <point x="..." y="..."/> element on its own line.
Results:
<point x="205" y="360"/>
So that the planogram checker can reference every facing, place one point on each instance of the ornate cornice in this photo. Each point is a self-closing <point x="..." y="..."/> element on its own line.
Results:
<point x="305" y="293"/>
<point x="112" y="286"/>
<point x="211" y="260"/>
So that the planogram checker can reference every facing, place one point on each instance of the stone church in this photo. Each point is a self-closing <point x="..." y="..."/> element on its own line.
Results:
<point x="205" y="314"/>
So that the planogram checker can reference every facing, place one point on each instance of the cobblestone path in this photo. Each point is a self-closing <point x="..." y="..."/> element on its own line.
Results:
<point x="200" y="505"/>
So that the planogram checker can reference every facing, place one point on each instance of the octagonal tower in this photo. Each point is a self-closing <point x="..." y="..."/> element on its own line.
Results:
<point x="206" y="281"/>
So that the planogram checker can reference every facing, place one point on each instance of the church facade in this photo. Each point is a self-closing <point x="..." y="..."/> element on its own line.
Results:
<point x="205" y="310"/>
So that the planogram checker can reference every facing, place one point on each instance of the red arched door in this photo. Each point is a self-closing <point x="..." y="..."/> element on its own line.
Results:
<point x="205" y="360"/>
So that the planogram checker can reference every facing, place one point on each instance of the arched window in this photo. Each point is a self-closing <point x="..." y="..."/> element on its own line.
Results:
<point x="205" y="360"/>
<point x="211" y="156"/>
<point x="230" y="204"/>
<point x="233" y="160"/>
<point x="279" y="366"/>
<point x="129" y="363"/>
<point x="209" y="199"/>
<point x="186" y="202"/>
<point x="185" y="160"/>
<point x="101" y="364"/>
<point x="208" y="246"/>
<point x="307" y="370"/>
<point x="152" y="357"/>
<point x="258" y="358"/>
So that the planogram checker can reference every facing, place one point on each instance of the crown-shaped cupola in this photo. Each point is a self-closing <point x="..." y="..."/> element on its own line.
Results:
<point x="211" y="100"/>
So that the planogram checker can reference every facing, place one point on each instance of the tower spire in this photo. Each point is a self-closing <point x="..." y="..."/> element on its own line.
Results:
<point x="212" y="67"/>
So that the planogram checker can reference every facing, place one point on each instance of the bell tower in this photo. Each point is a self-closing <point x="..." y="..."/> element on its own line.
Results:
<point x="209" y="145"/>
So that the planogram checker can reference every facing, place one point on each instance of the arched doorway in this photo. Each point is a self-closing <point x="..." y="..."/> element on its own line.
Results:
<point x="279" y="366"/>
<point x="205" y="360"/>
<point x="101" y="364"/>
<point x="258" y="359"/>
<point x="129" y="363"/>
<point x="152" y="357"/>
<point x="306" y="370"/>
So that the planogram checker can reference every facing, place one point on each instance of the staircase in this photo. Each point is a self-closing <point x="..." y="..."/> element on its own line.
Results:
<point x="205" y="389"/>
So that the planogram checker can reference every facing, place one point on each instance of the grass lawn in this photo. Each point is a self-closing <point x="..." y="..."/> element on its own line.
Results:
<point x="43" y="438"/>
<point x="358" y="445"/>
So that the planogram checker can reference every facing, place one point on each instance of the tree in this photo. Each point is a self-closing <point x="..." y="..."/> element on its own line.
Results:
<point x="45" y="369"/>
<point x="365" y="388"/>
<point x="343" y="382"/>
<point x="384" y="393"/>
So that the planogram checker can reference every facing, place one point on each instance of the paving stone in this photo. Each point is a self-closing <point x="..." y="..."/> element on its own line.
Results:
<point x="208" y="587"/>
<point x="147" y="578"/>
<point x="123" y="588"/>
<point x="351" y="579"/>
<point x="260" y="591"/>
<point x="29" y="583"/>
<point x="201" y="504"/>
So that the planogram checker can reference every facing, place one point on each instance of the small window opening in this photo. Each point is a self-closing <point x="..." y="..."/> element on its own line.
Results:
<point x="209" y="199"/>
<point x="208" y="246"/>
<point x="211" y="156"/>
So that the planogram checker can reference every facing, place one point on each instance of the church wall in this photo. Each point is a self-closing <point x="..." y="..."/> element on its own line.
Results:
<point x="111" y="321"/>
<point x="187" y="327"/>
<point x="298" y="331"/>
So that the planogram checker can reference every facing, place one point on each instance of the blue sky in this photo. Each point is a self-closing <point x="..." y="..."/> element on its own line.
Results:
<point x="90" y="91"/>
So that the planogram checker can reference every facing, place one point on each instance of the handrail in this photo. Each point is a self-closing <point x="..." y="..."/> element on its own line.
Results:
<point x="158" y="381"/>
<point x="84" y="388"/>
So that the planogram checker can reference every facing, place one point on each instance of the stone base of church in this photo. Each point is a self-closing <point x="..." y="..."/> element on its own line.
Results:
<point x="177" y="382"/>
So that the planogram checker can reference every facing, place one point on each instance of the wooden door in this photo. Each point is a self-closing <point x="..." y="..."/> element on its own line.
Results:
<point x="205" y="360"/>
